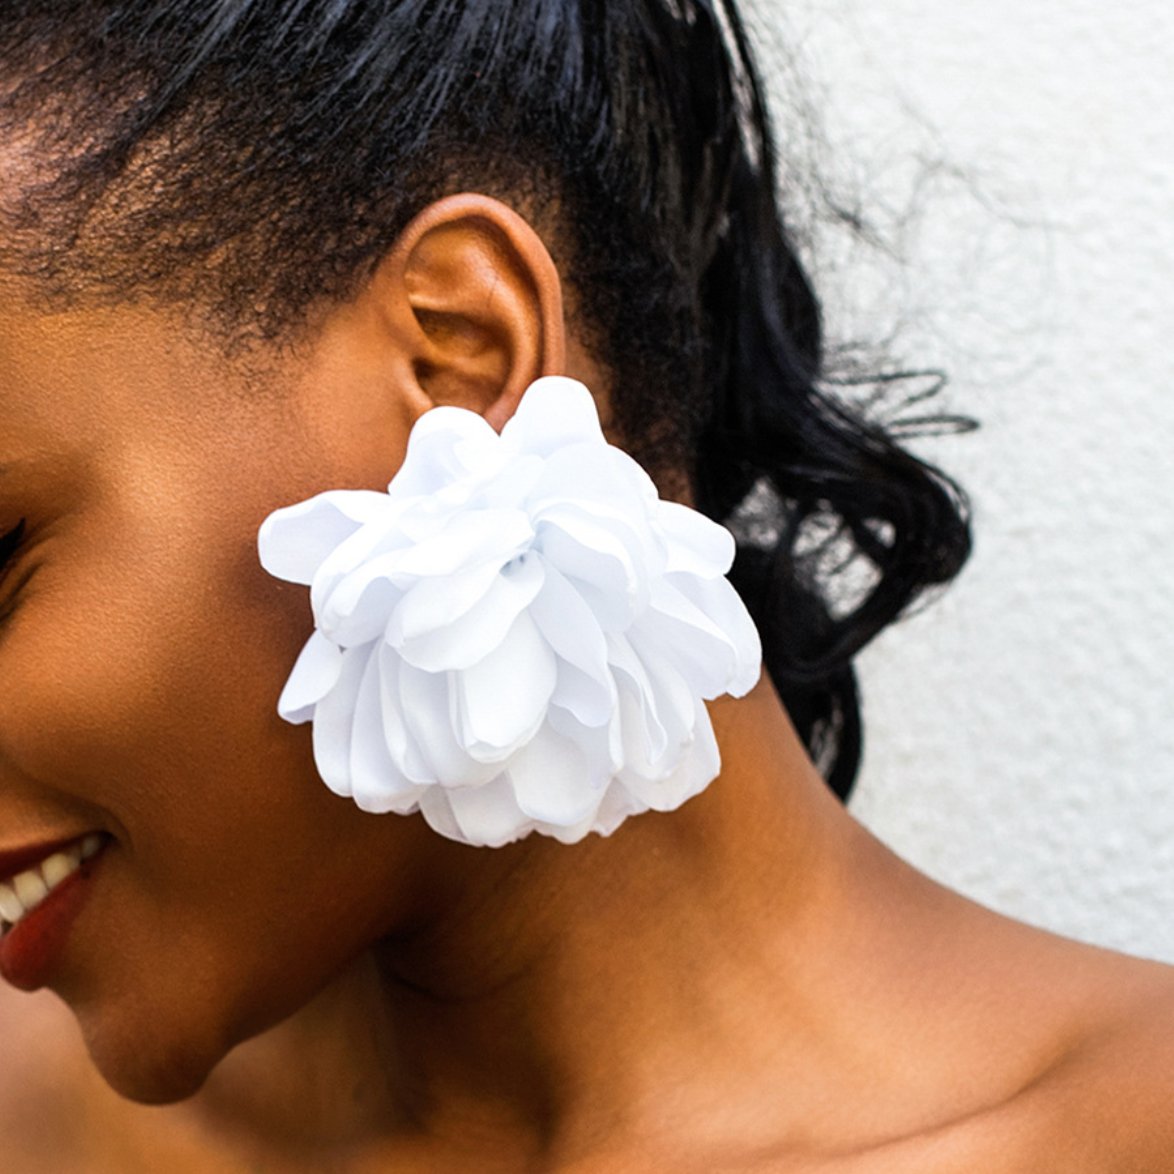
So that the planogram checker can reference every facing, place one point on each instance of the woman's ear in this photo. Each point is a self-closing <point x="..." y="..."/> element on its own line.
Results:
<point x="473" y="302"/>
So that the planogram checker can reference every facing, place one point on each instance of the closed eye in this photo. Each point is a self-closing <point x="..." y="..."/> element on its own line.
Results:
<point x="10" y="544"/>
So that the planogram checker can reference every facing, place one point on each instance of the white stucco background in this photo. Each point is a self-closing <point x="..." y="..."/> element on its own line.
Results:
<point x="1020" y="731"/>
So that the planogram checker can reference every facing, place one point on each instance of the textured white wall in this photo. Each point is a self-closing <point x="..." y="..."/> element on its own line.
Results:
<point x="1021" y="731"/>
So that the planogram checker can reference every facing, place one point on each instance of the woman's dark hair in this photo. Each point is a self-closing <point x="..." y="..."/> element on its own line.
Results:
<point x="255" y="158"/>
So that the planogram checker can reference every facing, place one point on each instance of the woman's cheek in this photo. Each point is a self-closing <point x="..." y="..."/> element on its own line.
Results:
<point x="118" y="669"/>
<point x="129" y="704"/>
<point x="139" y="676"/>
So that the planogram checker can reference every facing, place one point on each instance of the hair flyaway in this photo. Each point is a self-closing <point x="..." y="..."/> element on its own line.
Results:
<point x="634" y="136"/>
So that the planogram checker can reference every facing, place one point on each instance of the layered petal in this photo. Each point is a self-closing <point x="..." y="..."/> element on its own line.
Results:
<point x="501" y="700"/>
<point x="294" y="541"/>
<point x="470" y="637"/>
<point x="314" y="674"/>
<point x="555" y="413"/>
<point x="334" y="718"/>
<point x="552" y="782"/>
<point x="519" y="635"/>
<point x="445" y="445"/>
<point x="696" y="544"/>
<point x="377" y="784"/>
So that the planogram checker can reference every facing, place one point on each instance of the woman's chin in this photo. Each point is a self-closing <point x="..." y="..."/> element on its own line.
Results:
<point x="147" y="1066"/>
<point x="152" y="1079"/>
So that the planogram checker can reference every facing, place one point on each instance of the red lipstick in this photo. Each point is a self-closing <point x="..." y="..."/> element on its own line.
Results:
<point x="32" y="947"/>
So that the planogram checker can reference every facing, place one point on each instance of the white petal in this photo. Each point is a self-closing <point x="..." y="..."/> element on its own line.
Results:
<point x="444" y="444"/>
<point x="357" y="610"/>
<point x="555" y="411"/>
<point x="552" y="781"/>
<point x="426" y="708"/>
<point x="702" y="627"/>
<point x="488" y="815"/>
<point x="313" y="675"/>
<point x="637" y="478"/>
<point x="293" y="542"/>
<point x="696" y="544"/>
<point x="725" y="610"/>
<point x="438" y="814"/>
<point x="604" y="759"/>
<point x="645" y="738"/>
<point x="333" y="721"/>
<point x="510" y="487"/>
<point x="673" y="702"/>
<point x="434" y="602"/>
<point x="591" y="703"/>
<point x="604" y="574"/>
<point x="592" y="534"/>
<point x="422" y="518"/>
<point x="595" y="476"/>
<point x="376" y="782"/>
<point x="469" y="638"/>
<point x="466" y="540"/>
<point x="616" y="805"/>
<point x="702" y="765"/>
<point x="694" y="773"/>
<point x="376" y="538"/>
<point x="502" y="700"/>
<point x="571" y="629"/>
<point x="567" y="835"/>
<point x="569" y="625"/>
<point x="603" y="476"/>
<point x="355" y="606"/>
<point x="401" y="745"/>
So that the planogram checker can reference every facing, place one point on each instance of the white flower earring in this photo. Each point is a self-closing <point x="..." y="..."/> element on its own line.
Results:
<point x="519" y="635"/>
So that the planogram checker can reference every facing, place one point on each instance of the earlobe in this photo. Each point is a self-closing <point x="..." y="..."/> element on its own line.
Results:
<point x="475" y="300"/>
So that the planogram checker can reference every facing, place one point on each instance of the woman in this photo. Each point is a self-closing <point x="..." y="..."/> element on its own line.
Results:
<point x="248" y="248"/>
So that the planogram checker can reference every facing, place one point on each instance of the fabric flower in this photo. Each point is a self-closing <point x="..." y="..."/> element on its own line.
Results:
<point x="519" y="635"/>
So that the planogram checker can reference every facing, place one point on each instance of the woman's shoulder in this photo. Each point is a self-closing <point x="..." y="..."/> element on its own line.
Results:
<point x="1109" y="1096"/>
<point x="1098" y="1100"/>
<point x="1012" y="1048"/>
<point x="1101" y="1097"/>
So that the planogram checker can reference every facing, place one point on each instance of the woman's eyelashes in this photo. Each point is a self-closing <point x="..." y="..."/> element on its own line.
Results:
<point x="10" y="544"/>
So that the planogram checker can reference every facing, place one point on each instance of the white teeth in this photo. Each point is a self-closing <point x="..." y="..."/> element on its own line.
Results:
<point x="57" y="868"/>
<point x="31" y="888"/>
<point x="21" y="894"/>
<point x="10" y="908"/>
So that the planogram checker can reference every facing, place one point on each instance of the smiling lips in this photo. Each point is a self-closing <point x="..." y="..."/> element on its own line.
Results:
<point x="22" y="893"/>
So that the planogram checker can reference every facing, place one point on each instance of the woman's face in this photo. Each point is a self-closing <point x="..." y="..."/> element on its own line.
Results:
<point x="142" y="651"/>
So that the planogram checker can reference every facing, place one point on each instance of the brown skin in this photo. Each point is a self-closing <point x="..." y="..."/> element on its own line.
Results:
<point x="751" y="982"/>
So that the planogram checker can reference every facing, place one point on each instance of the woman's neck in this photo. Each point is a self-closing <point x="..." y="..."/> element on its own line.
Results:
<point x="571" y="992"/>
<point x="594" y="982"/>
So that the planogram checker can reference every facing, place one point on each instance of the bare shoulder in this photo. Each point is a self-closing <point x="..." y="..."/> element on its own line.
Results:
<point x="1102" y="1098"/>
<point x="1102" y="1102"/>
<point x="1110" y="1095"/>
<point x="1062" y="1054"/>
